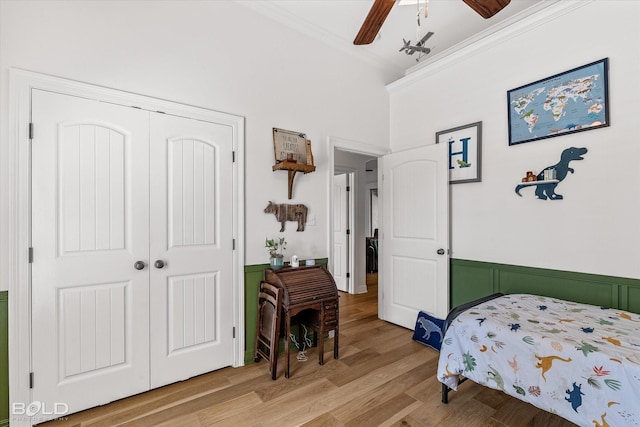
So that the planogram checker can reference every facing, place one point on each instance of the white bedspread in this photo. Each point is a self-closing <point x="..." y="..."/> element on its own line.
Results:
<point x="579" y="361"/>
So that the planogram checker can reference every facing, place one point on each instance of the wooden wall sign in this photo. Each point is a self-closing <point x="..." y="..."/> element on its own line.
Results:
<point x="289" y="146"/>
<point x="292" y="152"/>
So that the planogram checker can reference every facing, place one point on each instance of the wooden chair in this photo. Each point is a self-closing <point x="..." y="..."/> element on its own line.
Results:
<point x="268" y="326"/>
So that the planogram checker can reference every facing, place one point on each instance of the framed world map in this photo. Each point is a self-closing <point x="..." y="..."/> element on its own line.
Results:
<point x="572" y="101"/>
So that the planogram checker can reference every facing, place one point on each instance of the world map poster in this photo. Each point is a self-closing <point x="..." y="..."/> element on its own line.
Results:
<point x="573" y="101"/>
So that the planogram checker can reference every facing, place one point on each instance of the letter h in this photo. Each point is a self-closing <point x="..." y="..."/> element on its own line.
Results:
<point x="464" y="151"/>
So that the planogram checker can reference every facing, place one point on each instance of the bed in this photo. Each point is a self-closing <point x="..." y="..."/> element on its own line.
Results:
<point x="579" y="361"/>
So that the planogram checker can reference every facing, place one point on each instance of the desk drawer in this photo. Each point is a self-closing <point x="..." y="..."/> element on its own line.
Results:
<point x="330" y="305"/>
<point x="330" y="312"/>
<point x="330" y="324"/>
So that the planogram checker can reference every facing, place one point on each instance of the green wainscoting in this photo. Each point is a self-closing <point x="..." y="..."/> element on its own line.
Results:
<point x="4" y="359"/>
<point x="475" y="279"/>
<point x="253" y="274"/>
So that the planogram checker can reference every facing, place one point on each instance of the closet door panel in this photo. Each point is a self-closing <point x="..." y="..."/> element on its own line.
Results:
<point x="191" y="293"/>
<point x="90" y="209"/>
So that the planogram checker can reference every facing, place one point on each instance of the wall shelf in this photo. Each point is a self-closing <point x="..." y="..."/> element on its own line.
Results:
<point x="292" y="168"/>
<point x="546" y="181"/>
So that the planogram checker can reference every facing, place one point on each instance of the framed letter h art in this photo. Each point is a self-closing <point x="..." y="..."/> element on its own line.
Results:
<point x="465" y="143"/>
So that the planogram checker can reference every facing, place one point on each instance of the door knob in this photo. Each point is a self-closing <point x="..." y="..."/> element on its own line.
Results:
<point x="139" y="265"/>
<point x="440" y="251"/>
<point x="159" y="263"/>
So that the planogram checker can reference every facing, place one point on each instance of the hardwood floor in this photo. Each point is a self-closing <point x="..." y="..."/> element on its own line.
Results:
<point x="382" y="378"/>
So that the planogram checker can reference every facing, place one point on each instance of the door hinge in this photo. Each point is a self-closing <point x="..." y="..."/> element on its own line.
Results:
<point x="30" y="255"/>
<point x="233" y="156"/>
<point x="234" y="331"/>
<point x="348" y="275"/>
<point x="233" y="244"/>
<point x="348" y="188"/>
<point x="30" y="379"/>
<point x="348" y="231"/>
<point x="30" y="130"/>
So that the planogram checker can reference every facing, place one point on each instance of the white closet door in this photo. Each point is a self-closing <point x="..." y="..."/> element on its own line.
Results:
<point x="191" y="240"/>
<point x="90" y="225"/>
<point x="132" y="239"/>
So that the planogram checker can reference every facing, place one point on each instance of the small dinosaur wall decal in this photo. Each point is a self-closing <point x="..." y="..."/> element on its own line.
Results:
<point x="546" y="190"/>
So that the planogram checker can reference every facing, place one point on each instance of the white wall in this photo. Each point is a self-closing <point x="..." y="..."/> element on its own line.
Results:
<point x="213" y="54"/>
<point x="595" y="229"/>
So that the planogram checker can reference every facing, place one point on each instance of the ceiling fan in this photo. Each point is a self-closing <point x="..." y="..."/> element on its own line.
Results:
<point x="381" y="8"/>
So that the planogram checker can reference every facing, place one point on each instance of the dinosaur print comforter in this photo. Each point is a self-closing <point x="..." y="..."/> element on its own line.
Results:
<point x="579" y="361"/>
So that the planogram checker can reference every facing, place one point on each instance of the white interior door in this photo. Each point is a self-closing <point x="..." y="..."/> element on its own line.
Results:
<point x="415" y="234"/>
<point x="191" y="248"/>
<point x="90" y="225"/>
<point x="340" y="230"/>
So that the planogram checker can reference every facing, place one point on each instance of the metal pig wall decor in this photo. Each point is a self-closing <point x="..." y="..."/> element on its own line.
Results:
<point x="284" y="213"/>
<point x="549" y="178"/>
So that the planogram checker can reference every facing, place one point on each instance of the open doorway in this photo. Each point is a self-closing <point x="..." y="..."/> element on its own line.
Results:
<point x="351" y="157"/>
<point x="372" y="224"/>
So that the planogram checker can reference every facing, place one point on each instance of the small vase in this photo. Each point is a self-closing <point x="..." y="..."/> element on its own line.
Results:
<point x="277" y="262"/>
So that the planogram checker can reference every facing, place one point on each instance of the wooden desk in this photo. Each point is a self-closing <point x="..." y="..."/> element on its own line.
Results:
<point x="310" y="297"/>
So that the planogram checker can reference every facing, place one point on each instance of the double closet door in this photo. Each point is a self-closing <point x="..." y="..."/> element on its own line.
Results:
<point x="132" y="249"/>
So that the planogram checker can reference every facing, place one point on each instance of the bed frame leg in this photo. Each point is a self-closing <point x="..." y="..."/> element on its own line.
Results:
<point x="445" y="394"/>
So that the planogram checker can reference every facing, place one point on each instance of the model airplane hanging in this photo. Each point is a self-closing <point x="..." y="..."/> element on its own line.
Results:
<point x="419" y="47"/>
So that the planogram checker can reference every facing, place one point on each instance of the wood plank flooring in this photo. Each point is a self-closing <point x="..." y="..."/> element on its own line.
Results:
<point x="382" y="378"/>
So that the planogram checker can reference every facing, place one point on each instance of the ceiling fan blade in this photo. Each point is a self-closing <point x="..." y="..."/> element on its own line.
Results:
<point x="373" y="22"/>
<point x="487" y="8"/>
